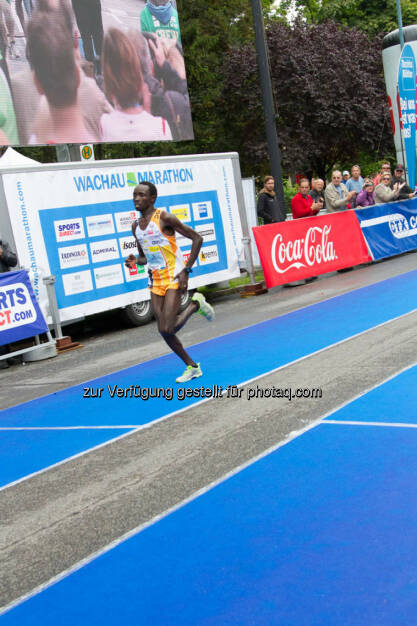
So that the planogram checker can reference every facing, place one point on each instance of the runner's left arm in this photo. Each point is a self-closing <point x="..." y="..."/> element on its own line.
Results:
<point x="197" y="240"/>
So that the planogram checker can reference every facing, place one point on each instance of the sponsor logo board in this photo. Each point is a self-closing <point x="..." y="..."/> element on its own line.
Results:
<point x="68" y="230"/>
<point x="124" y="221"/>
<point x="208" y="254"/>
<point x="207" y="231"/>
<point x="73" y="256"/>
<point x="77" y="282"/>
<point x="135" y="273"/>
<point x="108" y="276"/>
<point x="99" y="225"/>
<point x="128" y="246"/>
<point x="202" y="210"/>
<point x="104" y="250"/>
<point x="182" y="211"/>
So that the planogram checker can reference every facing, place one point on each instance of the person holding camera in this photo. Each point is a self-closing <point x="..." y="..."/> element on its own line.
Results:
<point x="302" y="204"/>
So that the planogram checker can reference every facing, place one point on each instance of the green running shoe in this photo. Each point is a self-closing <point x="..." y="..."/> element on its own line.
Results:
<point x="204" y="308"/>
<point x="190" y="373"/>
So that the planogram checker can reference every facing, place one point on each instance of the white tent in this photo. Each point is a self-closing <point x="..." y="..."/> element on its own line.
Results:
<point x="12" y="158"/>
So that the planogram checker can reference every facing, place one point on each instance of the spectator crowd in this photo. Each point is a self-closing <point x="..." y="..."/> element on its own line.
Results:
<point x="344" y="191"/>
<point x="81" y="83"/>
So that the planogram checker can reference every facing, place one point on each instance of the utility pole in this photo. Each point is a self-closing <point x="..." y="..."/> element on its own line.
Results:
<point x="400" y="23"/>
<point x="269" y="108"/>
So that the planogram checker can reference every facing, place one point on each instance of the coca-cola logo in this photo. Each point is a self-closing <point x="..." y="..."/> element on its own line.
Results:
<point x="313" y="249"/>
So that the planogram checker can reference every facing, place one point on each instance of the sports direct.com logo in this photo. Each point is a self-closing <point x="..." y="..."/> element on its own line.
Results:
<point x="66" y="230"/>
<point x="16" y="307"/>
<point x="313" y="249"/>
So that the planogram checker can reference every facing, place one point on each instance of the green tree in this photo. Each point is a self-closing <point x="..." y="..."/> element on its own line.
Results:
<point x="330" y="93"/>
<point x="372" y="16"/>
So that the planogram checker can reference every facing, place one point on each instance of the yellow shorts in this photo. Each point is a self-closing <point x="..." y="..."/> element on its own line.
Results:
<point x="161" y="289"/>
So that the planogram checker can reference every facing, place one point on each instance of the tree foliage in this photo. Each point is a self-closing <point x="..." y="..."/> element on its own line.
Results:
<point x="330" y="96"/>
<point x="372" y="16"/>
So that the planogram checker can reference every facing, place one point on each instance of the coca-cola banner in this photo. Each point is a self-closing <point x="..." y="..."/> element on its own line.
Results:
<point x="310" y="246"/>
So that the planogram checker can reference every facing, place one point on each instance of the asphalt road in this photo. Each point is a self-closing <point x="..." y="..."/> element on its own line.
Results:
<point x="55" y="519"/>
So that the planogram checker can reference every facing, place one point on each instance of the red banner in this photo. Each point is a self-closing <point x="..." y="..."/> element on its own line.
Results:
<point x="310" y="246"/>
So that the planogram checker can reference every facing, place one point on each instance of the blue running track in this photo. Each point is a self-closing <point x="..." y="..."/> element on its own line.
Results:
<point x="227" y="360"/>
<point x="320" y="531"/>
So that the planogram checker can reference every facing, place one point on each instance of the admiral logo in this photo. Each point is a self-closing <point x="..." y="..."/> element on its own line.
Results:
<point x="66" y="230"/>
<point x="73" y="256"/>
<point x="104" y="250"/>
<point x="16" y="307"/>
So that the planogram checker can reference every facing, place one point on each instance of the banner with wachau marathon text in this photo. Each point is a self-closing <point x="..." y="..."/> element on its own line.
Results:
<point x="389" y="229"/>
<point x="20" y="315"/>
<point x="306" y="247"/>
<point x="76" y="223"/>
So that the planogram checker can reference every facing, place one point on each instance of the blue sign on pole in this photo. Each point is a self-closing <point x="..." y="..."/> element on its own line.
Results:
<point x="20" y="315"/>
<point x="407" y="93"/>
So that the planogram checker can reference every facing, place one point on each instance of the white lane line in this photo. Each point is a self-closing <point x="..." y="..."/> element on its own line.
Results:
<point x="20" y="428"/>
<point x="383" y="424"/>
<point x="188" y="408"/>
<point x="131" y="533"/>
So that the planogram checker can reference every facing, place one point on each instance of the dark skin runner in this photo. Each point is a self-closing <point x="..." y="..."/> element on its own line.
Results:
<point x="166" y="307"/>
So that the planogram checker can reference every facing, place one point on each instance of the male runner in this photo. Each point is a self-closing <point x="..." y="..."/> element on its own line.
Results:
<point x="154" y="232"/>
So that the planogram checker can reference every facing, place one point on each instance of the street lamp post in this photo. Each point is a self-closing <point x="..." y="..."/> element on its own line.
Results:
<point x="269" y="108"/>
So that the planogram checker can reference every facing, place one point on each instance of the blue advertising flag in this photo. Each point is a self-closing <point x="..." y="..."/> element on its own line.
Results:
<point x="389" y="229"/>
<point x="20" y="315"/>
<point x="407" y="93"/>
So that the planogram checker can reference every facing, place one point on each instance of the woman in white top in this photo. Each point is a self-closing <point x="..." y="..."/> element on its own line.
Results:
<point x="125" y="88"/>
<point x="383" y="191"/>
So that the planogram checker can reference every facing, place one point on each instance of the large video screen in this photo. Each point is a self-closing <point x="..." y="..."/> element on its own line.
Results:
<point x="89" y="71"/>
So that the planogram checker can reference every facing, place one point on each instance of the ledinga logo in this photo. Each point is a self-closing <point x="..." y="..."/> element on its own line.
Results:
<point x="132" y="180"/>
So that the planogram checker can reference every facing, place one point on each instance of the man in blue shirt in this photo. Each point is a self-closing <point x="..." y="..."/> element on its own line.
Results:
<point x="355" y="182"/>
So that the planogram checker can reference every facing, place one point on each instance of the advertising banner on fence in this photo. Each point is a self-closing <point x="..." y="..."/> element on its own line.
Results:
<point x="389" y="229"/>
<point x="310" y="246"/>
<point x="75" y="223"/>
<point x="85" y="72"/>
<point x="20" y="315"/>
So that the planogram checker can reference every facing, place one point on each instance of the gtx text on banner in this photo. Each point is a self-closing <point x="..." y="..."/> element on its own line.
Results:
<point x="389" y="229"/>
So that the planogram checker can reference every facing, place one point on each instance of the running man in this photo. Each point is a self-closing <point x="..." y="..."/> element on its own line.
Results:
<point x="154" y="232"/>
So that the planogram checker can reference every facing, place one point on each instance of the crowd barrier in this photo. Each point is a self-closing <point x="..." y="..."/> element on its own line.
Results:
<point x="302" y="248"/>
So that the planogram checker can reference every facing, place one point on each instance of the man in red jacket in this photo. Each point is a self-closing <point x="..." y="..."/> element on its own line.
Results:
<point x="302" y="204"/>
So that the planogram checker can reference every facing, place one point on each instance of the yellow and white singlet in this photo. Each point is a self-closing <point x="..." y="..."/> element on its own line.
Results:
<point x="163" y="254"/>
